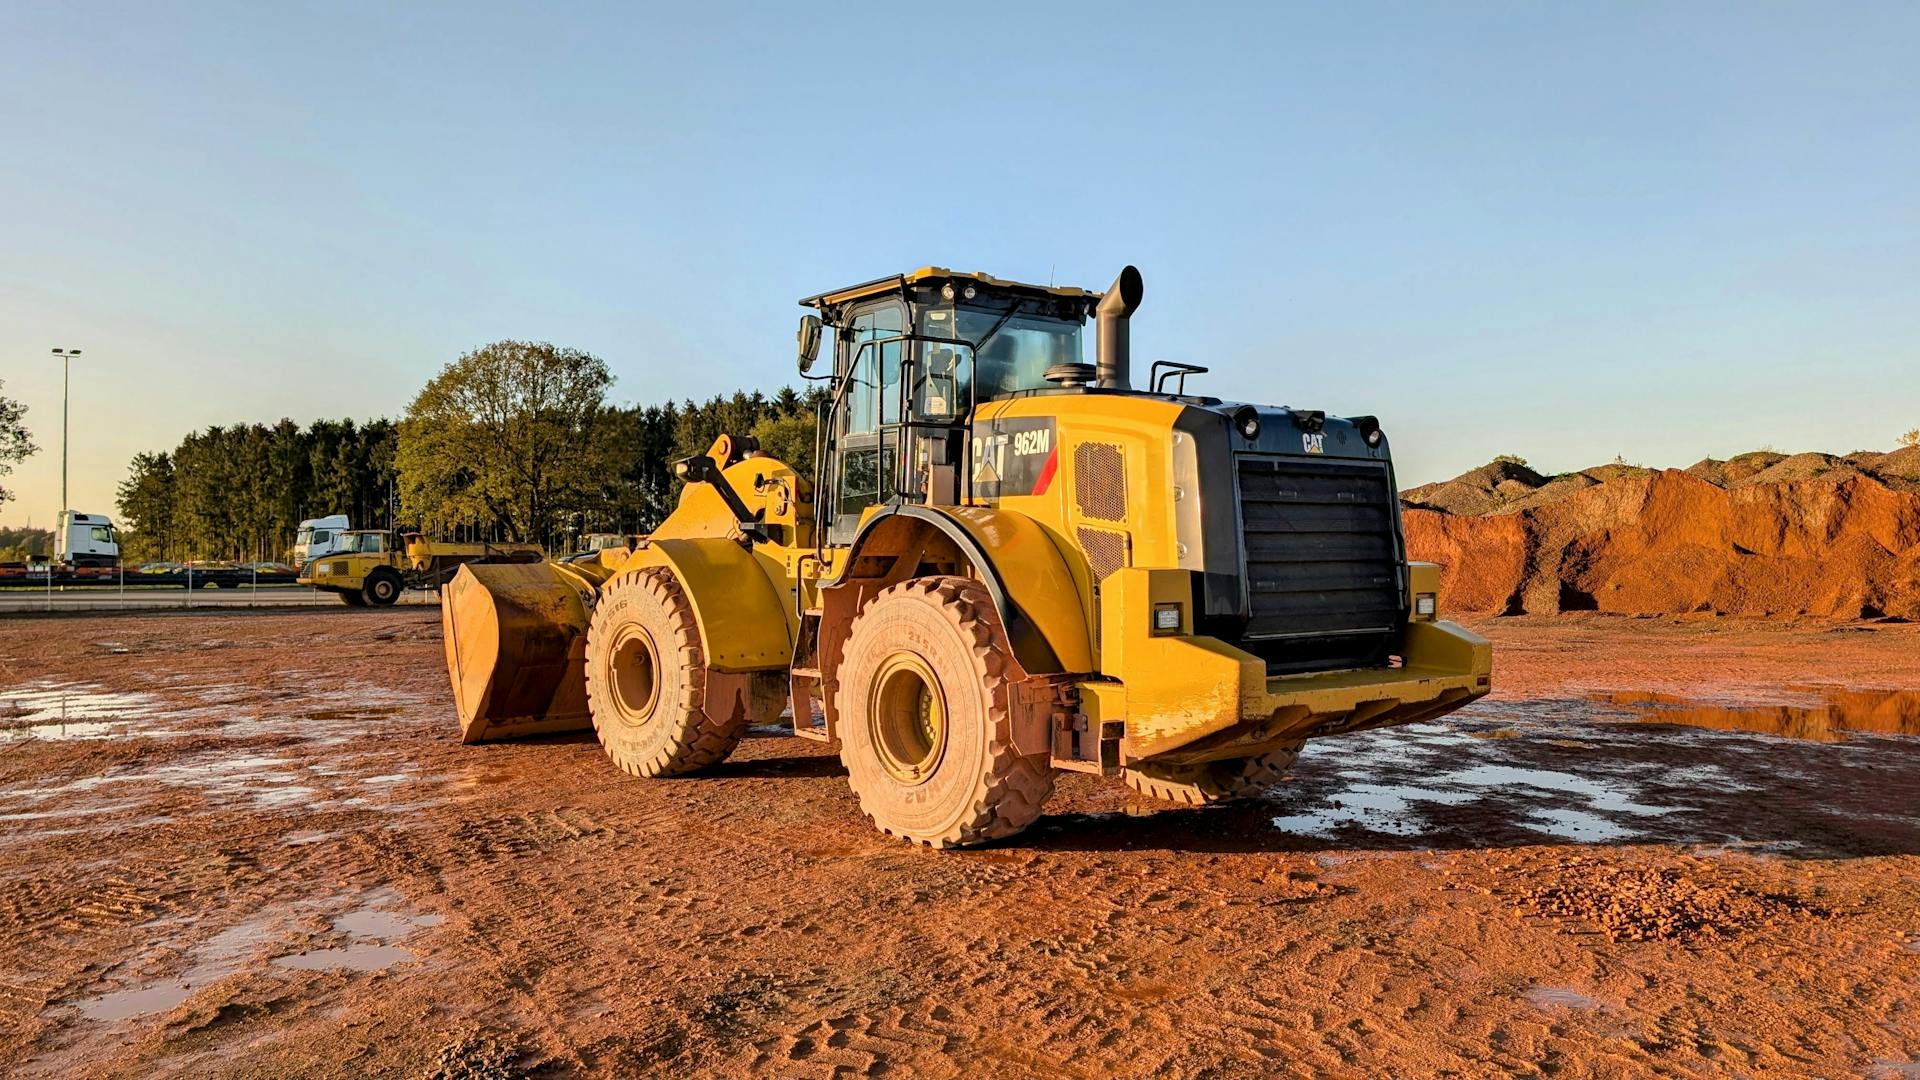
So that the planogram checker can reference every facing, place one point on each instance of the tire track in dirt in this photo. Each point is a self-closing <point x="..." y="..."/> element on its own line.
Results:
<point x="748" y="921"/>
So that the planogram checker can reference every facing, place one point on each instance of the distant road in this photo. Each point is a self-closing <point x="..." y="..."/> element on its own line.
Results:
<point x="104" y="598"/>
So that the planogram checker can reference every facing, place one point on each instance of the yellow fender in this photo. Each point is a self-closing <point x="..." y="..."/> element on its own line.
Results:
<point x="1031" y="582"/>
<point x="745" y="622"/>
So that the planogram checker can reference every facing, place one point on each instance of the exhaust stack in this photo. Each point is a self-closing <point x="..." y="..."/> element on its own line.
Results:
<point x="1115" y="369"/>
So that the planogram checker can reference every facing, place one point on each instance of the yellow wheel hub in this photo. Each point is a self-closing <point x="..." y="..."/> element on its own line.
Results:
<point x="635" y="675"/>
<point x="908" y="716"/>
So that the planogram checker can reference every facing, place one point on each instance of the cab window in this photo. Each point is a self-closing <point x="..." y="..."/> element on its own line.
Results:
<point x="101" y="534"/>
<point x="943" y="387"/>
<point x="872" y="400"/>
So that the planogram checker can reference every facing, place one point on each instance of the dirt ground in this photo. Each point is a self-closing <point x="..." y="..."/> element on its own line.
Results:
<point x="249" y="844"/>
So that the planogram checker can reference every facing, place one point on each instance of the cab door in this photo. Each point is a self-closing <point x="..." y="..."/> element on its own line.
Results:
<point x="866" y="426"/>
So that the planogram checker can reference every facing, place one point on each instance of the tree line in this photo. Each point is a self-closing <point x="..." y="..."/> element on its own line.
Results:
<point x="514" y="441"/>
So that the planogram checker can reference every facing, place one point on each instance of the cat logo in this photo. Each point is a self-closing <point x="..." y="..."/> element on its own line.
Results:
<point x="985" y="451"/>
<point x="1313" y="442"/>
<point x="1014" y="456"/>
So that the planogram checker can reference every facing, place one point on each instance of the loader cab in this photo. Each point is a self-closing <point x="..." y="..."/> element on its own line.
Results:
<point x="912" y="356"/>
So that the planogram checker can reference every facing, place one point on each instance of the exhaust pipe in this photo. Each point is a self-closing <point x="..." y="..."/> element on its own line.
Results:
<point x="1115" y="369"/>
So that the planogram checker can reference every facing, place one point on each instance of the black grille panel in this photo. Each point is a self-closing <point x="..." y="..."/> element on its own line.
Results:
<point x="1321" y="561"/>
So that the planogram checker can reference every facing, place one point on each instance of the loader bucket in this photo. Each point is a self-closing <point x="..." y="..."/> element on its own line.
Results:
<point x="516" y="639"/>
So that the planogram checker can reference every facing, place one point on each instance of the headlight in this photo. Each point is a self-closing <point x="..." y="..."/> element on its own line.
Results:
<point x="1424" y="606"/>
<point x="1166" y="618"/>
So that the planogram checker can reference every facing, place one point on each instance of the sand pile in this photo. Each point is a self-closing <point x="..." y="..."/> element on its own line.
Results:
<point x="1758" y="534"/>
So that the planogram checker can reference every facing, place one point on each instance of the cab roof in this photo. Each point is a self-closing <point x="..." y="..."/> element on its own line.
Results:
<point x="899" y="282"/>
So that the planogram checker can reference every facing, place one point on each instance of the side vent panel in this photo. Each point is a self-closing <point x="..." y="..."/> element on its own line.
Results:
<point x="1100" y="483"/>
<point x="1106" y="551"/>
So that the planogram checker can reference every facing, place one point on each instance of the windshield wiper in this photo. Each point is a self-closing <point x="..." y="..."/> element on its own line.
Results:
<point x="982" y="343"/>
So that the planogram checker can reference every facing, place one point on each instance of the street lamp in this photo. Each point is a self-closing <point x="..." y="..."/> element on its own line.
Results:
<point x="66" y="381"/>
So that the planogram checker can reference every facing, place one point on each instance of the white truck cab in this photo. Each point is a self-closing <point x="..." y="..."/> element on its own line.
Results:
<point x="85" y="540"/>
<point x="318" y="537"/>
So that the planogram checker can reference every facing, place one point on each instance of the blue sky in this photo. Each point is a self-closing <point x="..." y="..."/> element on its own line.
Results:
<point x="1565" y="231"/>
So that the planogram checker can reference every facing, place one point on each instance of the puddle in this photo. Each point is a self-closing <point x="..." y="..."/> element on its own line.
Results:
<point x="311" y="836"/>
<point x="1557" y="997"/>
<point x="370" y="929"/>
<point x="374" y="923"/>
<point x="373" y="920"/>
<point x="218" y="957"/>
<point x="362" y="956"/>
<point x="1600" y="794"/>
<point x="84" y="729"/>
<point x="1394" y="784"/>
<point x="1823" y="713"/>
<point x="1576" y="825"/>
<point x="44" y="702"/>
<point x="1375" y="807"/>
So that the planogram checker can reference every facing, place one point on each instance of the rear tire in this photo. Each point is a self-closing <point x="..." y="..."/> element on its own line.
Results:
<point x="1210" y="782"/>
<point x="383" y="587"/>
<point x="925" y="718"/>
<point x="658" y="709"/>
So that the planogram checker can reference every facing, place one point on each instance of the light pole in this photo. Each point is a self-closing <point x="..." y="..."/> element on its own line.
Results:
<point x="66" y="382"/>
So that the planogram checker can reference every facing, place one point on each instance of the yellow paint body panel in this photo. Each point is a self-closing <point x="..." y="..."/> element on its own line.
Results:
<point x="1142" y="429"/>
<point x="745" y="622"/>
<point x="1038" y="577"/>
<point x="1177" y="691"/>
<point x="346" y="573"/>
<point x="743" y="599"/>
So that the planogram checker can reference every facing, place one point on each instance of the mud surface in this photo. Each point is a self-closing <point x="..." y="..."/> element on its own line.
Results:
<point x="250" y="845"/>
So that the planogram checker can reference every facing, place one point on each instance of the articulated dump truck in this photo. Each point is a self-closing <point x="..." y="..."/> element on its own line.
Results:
<point x="1008" y="562"/>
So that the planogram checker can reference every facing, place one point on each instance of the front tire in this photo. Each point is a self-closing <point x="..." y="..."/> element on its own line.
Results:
<point x="657" y="707"/>
<point x="925" y="706"/>
<point x="1210" y="782"/>
<point x="353" y="598"/>
<point x="383" y="587"/>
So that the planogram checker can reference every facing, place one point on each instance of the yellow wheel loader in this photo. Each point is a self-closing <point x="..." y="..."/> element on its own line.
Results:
<point x="1010" y="562"/>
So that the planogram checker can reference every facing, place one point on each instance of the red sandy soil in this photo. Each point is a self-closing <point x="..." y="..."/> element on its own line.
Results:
<point x="1761" y="534"/>
<point x="274" y="859"/>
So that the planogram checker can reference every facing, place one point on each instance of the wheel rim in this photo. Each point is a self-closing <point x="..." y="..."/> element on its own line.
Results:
<point x="908" y="719"/>
<point x="635" y="675"/>
<point x="383" y="588"/>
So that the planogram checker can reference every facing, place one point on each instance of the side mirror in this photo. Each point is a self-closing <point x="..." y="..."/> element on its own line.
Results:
<point x="809" y="342"/>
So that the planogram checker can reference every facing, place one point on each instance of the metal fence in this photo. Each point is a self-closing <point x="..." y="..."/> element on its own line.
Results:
<point x="136" y="594"/>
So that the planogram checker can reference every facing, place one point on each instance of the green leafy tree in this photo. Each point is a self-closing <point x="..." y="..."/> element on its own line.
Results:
<point x="1911" y="438"/>
<point x="20" y="545"/>
<point x="503" y="439"/>
<point x="15" y="445"/>
<point x="241" y="492"/>
<point x="146" y="509"/>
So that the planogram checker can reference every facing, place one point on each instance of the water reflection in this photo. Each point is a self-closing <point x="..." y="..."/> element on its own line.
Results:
<point x="1829" y="714"/>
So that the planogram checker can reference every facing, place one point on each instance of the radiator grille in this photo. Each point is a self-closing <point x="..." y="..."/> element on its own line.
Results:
<point x="1321" y="559"/>
<point x="1106" y="551"/>
<point x="1100" y="481"/>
